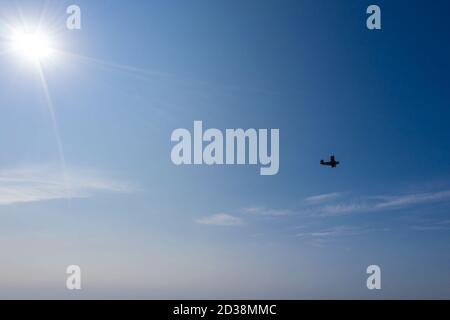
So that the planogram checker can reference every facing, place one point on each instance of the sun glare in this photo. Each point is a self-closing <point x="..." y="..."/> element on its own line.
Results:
<point x="34" y="46"/>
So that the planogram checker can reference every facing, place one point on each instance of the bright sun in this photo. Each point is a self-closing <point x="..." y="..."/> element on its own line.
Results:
<point x="34" y="46"/>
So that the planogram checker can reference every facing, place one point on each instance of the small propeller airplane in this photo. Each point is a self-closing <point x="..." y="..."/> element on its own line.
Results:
<point x="332" y="163"/>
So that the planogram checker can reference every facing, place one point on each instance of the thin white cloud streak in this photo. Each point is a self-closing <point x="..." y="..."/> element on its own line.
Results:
<point x="412" y="199"/>
<point x="44" y="183"/>
<point x="331" y="204"/>
<point x="339" y="231"/>
<point x="221" y="219"/>
<point x="325" y="237"/>
<point x="262" y="211"/>
<point x="430" y="228"/>
<point x="442" y="225"/>
<point x="383" y="203"/>
<point x="331" y="232"/>
<point x="321" y="198"/>
<point x="344" y="208"/>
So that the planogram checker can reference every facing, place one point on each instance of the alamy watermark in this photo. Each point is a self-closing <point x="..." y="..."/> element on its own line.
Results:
<point x="374" y="280"/>
<point x="73" y="281"/>
<point x="236" y="146"/>
<point x="73" y="22"/>
<point x="374" y="20"/>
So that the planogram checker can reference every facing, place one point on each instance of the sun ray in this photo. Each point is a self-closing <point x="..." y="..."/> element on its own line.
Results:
<point x="115" y="66"/>
<point x="42" y="14"/>
<point x="55" y="126"/>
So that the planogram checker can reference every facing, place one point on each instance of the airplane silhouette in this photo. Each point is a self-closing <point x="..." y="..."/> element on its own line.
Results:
<point x="332" y="163"/>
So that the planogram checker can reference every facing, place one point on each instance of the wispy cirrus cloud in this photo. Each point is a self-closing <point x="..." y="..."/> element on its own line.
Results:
<point x="335" y="204"/>
<point x="221" y="219"/>
<point x="321" y="198"/>
<point x="336" y="231"/>
<point x="47" y="182"/>
<point x="326" y="236"/>
<point x="382" y="203"/>
<point x="339" y="231"/>
<point x="226" y="219"/>
<point x="430" y="228"/>
<point x="352" y="206"/>
<point x="442" y="225"/>
<point x="413" y="199"/>
<point x="263" y="211"/>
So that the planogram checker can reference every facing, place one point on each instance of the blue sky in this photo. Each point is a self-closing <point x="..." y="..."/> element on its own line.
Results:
<point x="140" y="227"/>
